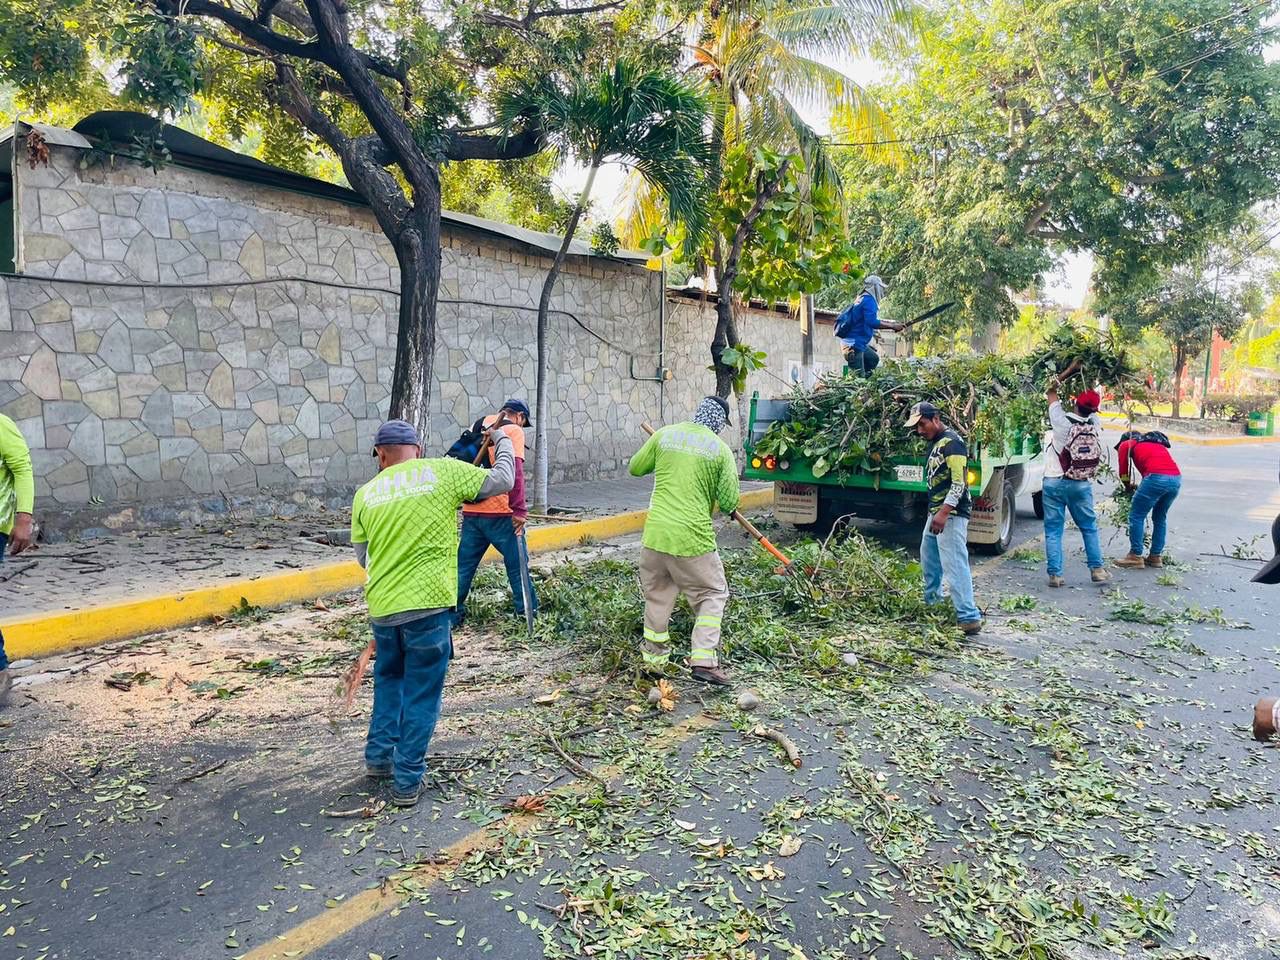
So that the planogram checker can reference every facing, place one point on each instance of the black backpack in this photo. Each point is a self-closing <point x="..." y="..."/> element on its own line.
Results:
<point x="467" y="447"/>
<point x="1155" y="436"/>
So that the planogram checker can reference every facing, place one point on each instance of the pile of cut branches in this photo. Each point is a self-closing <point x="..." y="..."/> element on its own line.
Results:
<point x="850" y="596"/>
<point x="856" y="423"/>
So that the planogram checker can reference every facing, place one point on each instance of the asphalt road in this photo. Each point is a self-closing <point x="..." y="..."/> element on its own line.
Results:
<point x="1087" y="757"/>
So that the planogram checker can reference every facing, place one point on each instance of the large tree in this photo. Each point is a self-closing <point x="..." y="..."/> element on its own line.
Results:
<point x="1134" y="130"/>
<point x="395" y="90"/>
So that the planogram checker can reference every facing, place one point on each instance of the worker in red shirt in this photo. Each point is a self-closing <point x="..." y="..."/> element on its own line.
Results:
<point x="1148" y="453"/>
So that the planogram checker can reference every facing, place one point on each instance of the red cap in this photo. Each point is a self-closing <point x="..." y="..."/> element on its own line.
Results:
<point x="1088" y="401"/>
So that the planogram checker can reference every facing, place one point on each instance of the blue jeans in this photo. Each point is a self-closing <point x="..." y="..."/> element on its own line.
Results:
<point x="947" y="555"/>
<point x="477" y="535"/>
<point x="863" y="361"/>
<point x="4" y="661"/>
<point x="1155" y="495"/>
<point x="408" y="684"/>
<point x="1062" y="495"/>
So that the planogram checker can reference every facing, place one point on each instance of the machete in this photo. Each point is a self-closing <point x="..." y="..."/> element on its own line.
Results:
<point x="929" y="313"/>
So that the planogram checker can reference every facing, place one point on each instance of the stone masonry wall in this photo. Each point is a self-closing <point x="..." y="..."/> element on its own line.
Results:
<point x="202" y="342"/>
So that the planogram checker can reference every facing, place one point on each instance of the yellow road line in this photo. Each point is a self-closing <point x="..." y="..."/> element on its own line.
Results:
<point x="40" y="635"/>
<point x="324" y="928"/>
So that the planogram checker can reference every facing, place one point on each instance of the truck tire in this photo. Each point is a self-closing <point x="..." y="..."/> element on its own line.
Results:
<point x="1008" y="517"/>
<point x="1037" y="504"/>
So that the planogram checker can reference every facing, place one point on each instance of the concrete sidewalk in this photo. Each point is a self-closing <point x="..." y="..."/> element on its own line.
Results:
<point x="76" y="594"/>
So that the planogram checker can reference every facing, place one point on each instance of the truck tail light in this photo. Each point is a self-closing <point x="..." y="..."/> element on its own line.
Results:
<point x="771" y="463"/>
<point x="784" y="465"/>
<point x="971" y="476"/>
<point x="756" y="463"/>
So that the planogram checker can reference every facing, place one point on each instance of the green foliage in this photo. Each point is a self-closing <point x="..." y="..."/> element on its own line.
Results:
<point x="41" y="51"/>
<point x="1237" y="407"/>
<point x="1186" y="310"/>
<point x="604" y="242"/>
<point x="162" y="62"/>
<point x="628" y="112"/>
<point x="508" y="191"/>
<point x="803" y="619"/>
<point x="743" y="361"/>
<point x="798" y="244"/>
<point x="855" y="423"/>
<point x="1133" y="130"/>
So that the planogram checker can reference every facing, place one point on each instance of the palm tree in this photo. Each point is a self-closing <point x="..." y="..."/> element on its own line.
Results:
<point x="628" y="113"/>
<point x="759" y="64"/>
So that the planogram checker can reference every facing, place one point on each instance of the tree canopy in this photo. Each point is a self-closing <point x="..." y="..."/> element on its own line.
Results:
<point x="1135" y="130"/>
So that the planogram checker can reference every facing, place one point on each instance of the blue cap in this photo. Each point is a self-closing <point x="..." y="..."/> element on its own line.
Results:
<point x="516" y="405"/>
<point x="395" y="433"/>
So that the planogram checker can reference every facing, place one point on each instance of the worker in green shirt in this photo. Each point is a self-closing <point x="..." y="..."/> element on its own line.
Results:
<point x="693" y="472"/>
<point x="17" y="501"/>
<point x="404" y="527"/>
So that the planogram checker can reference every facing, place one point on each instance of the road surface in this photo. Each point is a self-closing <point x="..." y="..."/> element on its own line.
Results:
<point x="1080" y="776"/>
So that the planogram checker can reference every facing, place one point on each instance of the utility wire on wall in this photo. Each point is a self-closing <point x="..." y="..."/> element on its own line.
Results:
<point x="332" y="284"/>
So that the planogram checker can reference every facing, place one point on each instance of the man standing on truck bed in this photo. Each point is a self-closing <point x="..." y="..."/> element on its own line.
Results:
<point x="858" y="323"/>
<point x="694" y="471"/>
<point x="944" y="548"/>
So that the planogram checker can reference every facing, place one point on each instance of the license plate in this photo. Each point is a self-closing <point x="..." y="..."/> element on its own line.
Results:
<point x="795" y="502"/>
<point x="909" y="473"/>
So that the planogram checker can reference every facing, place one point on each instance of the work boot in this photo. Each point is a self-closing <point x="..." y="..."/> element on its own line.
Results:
<point x="6" y="684"/>
<point x="1099" y="575"/>
<point x="377" y="771"/>
<point x="1056" y="581"/>
<point x="1154" y="561"/>
<point x="971" y="627"/>
<point x="1131" y="561"/>
<point x="406" y="798"/>
<point x="712" y="675"/>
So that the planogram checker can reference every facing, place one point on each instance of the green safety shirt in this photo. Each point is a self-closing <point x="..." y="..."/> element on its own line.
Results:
<point x="945" y="471"/>
<point x="408" y="516"/>
<point x="17" y="481"/>
<point x="693" y="472"/>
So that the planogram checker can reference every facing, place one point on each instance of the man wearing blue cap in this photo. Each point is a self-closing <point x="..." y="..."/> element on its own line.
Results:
<point x="499" y="521"/>
<point x="404" y="529"/>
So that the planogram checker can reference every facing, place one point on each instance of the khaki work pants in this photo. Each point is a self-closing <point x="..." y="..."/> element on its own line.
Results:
<point x="701" y="579"/>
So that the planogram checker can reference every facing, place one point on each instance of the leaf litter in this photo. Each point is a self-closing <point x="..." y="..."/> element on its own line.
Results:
<point x="951" y="794"/>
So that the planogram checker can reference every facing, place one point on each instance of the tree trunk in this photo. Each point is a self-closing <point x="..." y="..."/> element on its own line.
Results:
<point x="542" y="403"/>
<point x="726" y="334"/>
<point x="1179" y="368"/>
<point x="418" y="254"/>
<point x="726" y="263"/>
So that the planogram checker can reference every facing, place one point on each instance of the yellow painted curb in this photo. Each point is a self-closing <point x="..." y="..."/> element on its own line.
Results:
<point x="50" y="633"/>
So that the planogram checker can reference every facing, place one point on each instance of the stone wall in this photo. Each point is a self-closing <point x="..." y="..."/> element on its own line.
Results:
<point x="182" y="342"/>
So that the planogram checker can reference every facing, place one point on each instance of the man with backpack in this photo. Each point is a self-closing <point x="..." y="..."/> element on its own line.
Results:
<point x="1073" y="453"/>
<point x="498" y="521"/>
<point x="1148" y="453"/>
<point x="858" y="323"/>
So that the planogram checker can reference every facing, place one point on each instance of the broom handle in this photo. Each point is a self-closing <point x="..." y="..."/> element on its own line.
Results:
<point x="746" y="524"/>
